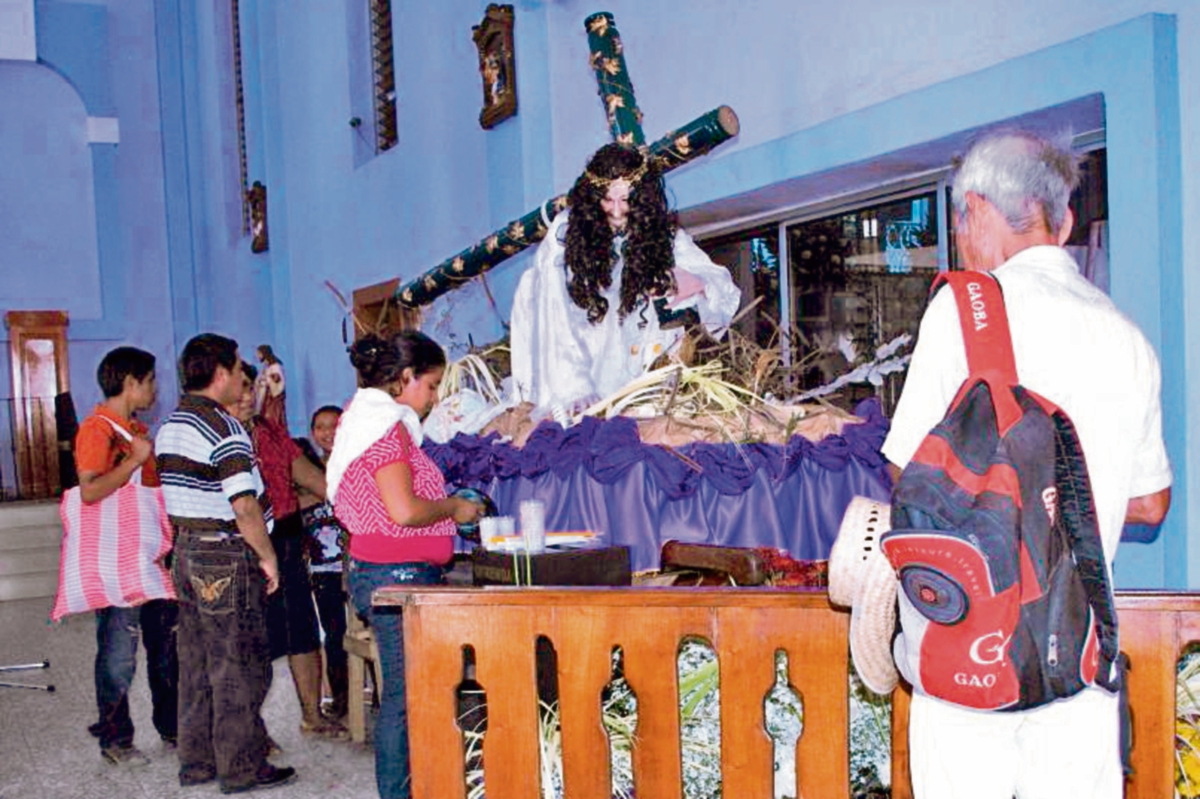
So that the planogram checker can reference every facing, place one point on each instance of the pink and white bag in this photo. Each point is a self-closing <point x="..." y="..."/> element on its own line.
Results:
<point x="113" y="550"/>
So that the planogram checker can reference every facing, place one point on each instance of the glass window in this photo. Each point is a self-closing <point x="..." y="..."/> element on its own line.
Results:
<point x="859" y="279"/>
<point x="752" y="256"/>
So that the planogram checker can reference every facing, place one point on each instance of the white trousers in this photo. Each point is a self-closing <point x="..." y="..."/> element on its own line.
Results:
<point x="1070" y="748"/>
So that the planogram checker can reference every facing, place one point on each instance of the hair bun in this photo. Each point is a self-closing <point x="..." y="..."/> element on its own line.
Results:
<point x="365" y="352"/>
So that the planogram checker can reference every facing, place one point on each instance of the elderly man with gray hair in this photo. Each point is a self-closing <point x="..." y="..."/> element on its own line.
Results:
<point x="1074" y="347"/>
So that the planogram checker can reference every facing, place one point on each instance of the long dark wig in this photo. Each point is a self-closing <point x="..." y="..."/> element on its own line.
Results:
<point x="649" y="234"/>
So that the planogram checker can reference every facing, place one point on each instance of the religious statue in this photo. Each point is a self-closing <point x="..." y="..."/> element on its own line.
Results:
<point x="269" y="387"/>
<point x="494" y="41"/>
<point x="603" y="299"/>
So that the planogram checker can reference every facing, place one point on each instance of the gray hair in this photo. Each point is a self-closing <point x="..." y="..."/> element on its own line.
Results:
<point x="1027" y="178"/>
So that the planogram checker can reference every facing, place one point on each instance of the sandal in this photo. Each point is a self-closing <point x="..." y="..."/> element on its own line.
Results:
<point x="325" y="728"/>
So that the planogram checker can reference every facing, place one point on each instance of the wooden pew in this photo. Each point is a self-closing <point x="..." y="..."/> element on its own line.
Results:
<point x="745" y="627"/>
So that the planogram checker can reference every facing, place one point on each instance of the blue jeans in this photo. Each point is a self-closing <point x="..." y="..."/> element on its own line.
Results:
<point x="117" y="633"/>
<point x="391" y="730"/>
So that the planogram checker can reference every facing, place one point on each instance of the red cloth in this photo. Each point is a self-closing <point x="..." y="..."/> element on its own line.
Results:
<point x="374" y="537"/>
<point x="275" y="451"/>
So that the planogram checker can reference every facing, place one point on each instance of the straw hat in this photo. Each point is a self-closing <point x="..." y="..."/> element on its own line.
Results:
<point x="861" y="578"/>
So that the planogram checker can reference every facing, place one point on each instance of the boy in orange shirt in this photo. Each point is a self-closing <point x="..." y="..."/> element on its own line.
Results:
<point x="106" y="461"/>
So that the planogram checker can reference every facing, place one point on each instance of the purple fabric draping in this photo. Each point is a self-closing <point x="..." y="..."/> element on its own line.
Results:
<point x="598" y="475"/>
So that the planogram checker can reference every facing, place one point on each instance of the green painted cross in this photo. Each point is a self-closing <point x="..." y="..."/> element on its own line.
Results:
<point x="678" y="147"/>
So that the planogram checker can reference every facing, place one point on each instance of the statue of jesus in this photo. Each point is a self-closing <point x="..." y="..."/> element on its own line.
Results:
<point x="609" y="286"/>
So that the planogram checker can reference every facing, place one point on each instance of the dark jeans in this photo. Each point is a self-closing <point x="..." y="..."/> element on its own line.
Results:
<point x="117" y="634"/>
<point x="331" y="605"/>
<point x="223" y="646"/>
<point x="391" y="730"/>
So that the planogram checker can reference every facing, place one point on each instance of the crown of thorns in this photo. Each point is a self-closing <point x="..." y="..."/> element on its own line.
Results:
<point x="604" y="183"/>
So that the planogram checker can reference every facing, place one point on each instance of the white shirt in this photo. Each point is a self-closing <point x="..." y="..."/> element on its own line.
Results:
<point x="558" y="356"/>
<point x="1077" y="350"/>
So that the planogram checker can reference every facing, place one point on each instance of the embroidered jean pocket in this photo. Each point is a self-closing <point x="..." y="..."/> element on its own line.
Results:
<point x="214" y="581"/>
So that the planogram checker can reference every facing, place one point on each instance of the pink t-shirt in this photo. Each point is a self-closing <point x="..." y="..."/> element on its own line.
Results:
<point x="374" y="537"/>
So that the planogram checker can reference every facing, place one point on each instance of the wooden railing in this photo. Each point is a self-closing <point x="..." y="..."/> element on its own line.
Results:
<point x="745" y="627"/>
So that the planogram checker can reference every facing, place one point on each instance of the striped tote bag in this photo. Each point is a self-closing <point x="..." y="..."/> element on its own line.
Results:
<point x="113" y="551"/>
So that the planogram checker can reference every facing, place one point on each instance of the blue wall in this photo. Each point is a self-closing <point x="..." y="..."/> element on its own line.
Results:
<point x="818" y="89"/>
<point x="810" y="103"/>
<point x="82" y="224"/>
<point x="48" y="245"/>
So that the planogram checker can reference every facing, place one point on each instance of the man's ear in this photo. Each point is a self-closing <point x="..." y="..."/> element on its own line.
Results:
<point x="976" y="203"/>
<point x="1068" y="225"/>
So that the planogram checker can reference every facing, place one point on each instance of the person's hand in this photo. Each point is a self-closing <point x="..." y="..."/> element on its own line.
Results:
<point x="270" y="570"/>
<point x="687" y="285"/>
<point x="140" y="450"/>
<point x="465" y="511"/>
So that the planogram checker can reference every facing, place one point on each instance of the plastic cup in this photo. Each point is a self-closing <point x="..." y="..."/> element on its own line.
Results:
<point x="533" y="525"/>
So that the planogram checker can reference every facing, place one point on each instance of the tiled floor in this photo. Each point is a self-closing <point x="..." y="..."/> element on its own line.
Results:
<point x="47" y="753"/>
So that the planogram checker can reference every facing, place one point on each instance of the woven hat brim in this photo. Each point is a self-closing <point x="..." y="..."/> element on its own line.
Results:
<point x="863" y="522"/>
<point x="873" y="624"/>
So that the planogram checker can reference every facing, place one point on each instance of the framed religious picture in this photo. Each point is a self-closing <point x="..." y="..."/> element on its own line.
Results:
<point x="497" y="65"/>
<point x="256" y="198"/>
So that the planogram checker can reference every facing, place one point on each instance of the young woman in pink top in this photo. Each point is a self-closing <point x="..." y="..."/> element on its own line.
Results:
<point x="392" y="499"/>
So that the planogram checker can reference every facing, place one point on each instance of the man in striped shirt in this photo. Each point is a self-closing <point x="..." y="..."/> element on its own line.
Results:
<point x="224" y="568"/>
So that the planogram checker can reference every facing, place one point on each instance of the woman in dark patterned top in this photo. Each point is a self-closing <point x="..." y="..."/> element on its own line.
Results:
<point x="326" y="540"/>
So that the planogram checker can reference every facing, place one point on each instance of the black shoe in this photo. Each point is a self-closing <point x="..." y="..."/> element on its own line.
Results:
<point x="96" y="729"/>
<point x="193" y="778"/>
<point x="268" y="777"/>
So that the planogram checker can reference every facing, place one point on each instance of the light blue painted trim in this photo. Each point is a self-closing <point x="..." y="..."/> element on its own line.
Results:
<point x="110" y="249"/>
<point x="175" y="96"/>
<point x="1134" y="66"/>
<point x="72" y="39"/>
<point x="1172" y="348"/>
<point x="943" y="223"/>
<point x="785" y="289"/>
<point x="531" y="34"/>
<point x="262" y="80"/>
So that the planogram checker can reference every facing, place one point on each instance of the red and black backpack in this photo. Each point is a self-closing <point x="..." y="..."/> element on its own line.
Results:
<point x="1005" y="601"/>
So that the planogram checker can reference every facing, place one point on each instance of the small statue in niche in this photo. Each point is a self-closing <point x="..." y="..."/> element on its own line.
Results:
<point x="256" y="198"/>
<point x="497" y="68"/>
<point x="270" y="389"/>
<point x="494" y="79"/>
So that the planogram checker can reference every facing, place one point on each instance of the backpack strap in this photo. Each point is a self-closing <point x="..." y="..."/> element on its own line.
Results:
<point x="987" y="338"/>
<point x="990" y="358"/>
<point x="1077" y="511"/>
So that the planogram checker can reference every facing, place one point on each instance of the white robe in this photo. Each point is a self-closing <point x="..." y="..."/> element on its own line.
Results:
<point x="558" y="357"/>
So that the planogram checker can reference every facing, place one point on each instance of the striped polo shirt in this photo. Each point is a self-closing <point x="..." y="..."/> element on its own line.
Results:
<point x="205" y="462"/>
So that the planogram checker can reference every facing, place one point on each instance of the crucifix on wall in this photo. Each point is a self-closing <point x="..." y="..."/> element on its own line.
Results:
<point x="676" y="148"/>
